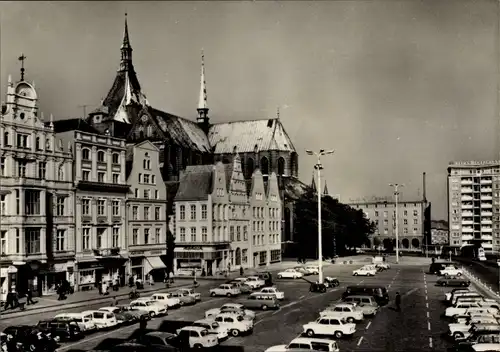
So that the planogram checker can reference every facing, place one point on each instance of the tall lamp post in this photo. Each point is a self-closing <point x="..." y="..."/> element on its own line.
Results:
<point x="396" y="187"/>
<point x="319" y="167"/>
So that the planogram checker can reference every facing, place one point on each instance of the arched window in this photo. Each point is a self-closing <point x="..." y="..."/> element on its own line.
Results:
<point x="281" y="167"/>
<point x="264" y="166"/>
<point x="6" y="138"/>
<point x="116" y="158"/>
<point x="100" y="156"/>
<point x="238" y="257"/>
<point x="149" y="131"/>
<point x="249" y="168"/>
<point x="406" y="243"/>
<point x="85" y="154"/>
<point x="415" y="243"/>
<point x="221" y="212"/>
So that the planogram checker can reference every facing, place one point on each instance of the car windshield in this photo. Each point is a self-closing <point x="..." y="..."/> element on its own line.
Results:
<point x="239" y="318"/>
<point x="150" y="303"/>
<point x="215" y="325"/>
<point x="204" y="332"/>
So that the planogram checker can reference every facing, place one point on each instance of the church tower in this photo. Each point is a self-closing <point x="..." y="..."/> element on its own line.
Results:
<point x="203" y="119"/>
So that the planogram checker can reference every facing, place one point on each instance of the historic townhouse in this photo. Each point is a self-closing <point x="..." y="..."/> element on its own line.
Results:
<point x="146" y="212"/>
<point x="37" y="226"/>
<point x="101" y="190"/>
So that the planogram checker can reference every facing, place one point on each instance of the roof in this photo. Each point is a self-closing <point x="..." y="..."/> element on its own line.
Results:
<point x="294" y="188"/>
<point x="249" y="136"/>
<point x="125" y="82"/>
<point x="181" y="131"/>
<point x="196" y="328"/>
<point x="73" y="125"/>
<point x="195" y="183"/>
<point x="309" y="339"/>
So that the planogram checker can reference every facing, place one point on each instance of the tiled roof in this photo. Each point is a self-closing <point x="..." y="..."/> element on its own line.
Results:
<point x="195" y="183"/>
<point x="294" y="188"/>
<point x="73" y="125"/>
<point x="249" y="136"/>
<point x="181" y="131"/>
<point x="118" y="90"/>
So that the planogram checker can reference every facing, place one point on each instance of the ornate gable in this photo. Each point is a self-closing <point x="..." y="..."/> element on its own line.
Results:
<point x="145" y="127"/>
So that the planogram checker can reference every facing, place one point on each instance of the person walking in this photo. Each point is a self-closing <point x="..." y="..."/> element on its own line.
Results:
<point x="29" y="297"/>
<point x="398" y="302"/>
<point x="241" y="270"/>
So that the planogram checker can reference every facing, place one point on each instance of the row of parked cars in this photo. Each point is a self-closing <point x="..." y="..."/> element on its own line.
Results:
<point x="371" y="269"/>
<point x="475" y="319"/>
<point x="74" y="326"/>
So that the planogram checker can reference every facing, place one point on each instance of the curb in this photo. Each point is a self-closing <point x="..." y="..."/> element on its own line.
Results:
<point x="78" y="304"/>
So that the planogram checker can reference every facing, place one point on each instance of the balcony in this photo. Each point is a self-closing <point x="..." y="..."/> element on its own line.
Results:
<point x="467" y="237"/>
<point x="467" y="222"/>
<point x="466" y="181"/>
<point x="486" y="221"/>
<point x="106" y="252"/>
<point x="486" y="182"/>
<point x="467" y="213"/>
<point x="467" y="206"/>
<point x="486" y="230"/>
<point x="486" y="205"/>
<point x="486" y="198"/>
<point x="467" y="229"/>
<point x="487" y="238"/>
<point x="149" y="249"/>
<point x="466" y="190"/>
<point x="486" y="213"/>
<point x="466" y="198"/>
<point x="486" y="190"/>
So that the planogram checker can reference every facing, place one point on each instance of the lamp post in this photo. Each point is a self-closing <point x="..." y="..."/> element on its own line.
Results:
<point x="319" y="167"/>
<point x="396" y="187"/>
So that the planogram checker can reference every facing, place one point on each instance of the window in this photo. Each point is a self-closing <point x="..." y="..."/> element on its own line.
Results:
<point x="245" y="233"/>
<point x="193" y="212"/>
<point x="136" y="193"/>
<point x="405" y="213"/>
<point x="100" y="156"/>
<point x="385" y="214"/>
<point x="18" y="241"/>
<point x="100" y="234"/>
<point x="60" y="240"/>
<point x="2" y="166"/>
<point x="6" y="139"/>
<point x="60" y="173"/>
<point x="22" y="141"/>
<point x="115" y="237"/>
<point x="32" y="240"/>
<point x="146" y="178"/>
<point x="415" y="221"/>
<point x="193" y="234"/>
<point x="153" y="179"/>
<point x="116" y="158"/>
<point x="3" y="242"/>
<point x="238" y="233"/>
<point x="116" y="178"/>
<point x="21" y="168"/>
<point x="146" y="163"/>
<point x="231" y="233"/>
<point x="157" y="235"/>
<point x="42" y="169"/>
<point x="204" y="211"/>
<point x="86" y="175"/>
<point x="135" y="236"/>
<point x="135" y="211"/>
<point x="85" y="206"/>
<point x="182" y="237"/>
<point x="146" y="193"/>
<point x="182" y="212"/>
<point x="100" y="177"/>
<point x="157" y="194"/>
<point x="32" y="202"/>
<point x="415" y="213"/>
<point x="116" y="208"/>
<point x="204" y="234"/>
<point x="405" y="221"/>
<point x="146" y="213"/>
<point x="157" y="213"/>
<point x="85" y="154"/>
<point x="3" y="205"/>
<point x="60" y="206"/>
<point x="101" y="203"/>
<point x="140" y="178"/>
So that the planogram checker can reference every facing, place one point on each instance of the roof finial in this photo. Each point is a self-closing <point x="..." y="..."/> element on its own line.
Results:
<point x="10" y="81"/>
<point x="126" y="41"/>
<point x="51" y="123"/>
<point x="278" y="112"/>
<point x="22" y="58"/>
<point x="126" y="49"/>
<point x="202" y="102"/>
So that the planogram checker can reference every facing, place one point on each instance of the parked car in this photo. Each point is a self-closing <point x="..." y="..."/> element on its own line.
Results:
<point x="451" y="270"/>
<point x="243" y="280"/>
<point x="329" y="326"/>
<point x="259" y="282"/>
<point x="166" y="299"/>
<point x="236" y="324"/>
<point x="306" y="343"/>
<point x="273" y="290"/>
<point x="137" y="313"/>
<point x="198" y="337"/>
<point x="213" y="327"/>
<point x="184" y="300"/>
<point x="64" y="330"/>
<point x="344" y="311"/>
<point x="367" y="304"/>
<point x="364" y="272"/>
<point x="244" y="288"/>
<point x="231" y="307"/>
<point x="262" y="301"/>
<point x="123" y="317"/>
<point x="154" y="341"/>
<point x="460" y="330"/>
<point x="457" y="282"/>
<point x="449" y="295"/>
<point x="290" y="274"/>
<point x="190" y="292"/>
<point x="224" y="290"/>
<point x="303" y="270"/>
<point x="152" y="307"/>
<point x="313" y="269"/>
<point x="102" y="319"/>
<point x="84" y="321"/>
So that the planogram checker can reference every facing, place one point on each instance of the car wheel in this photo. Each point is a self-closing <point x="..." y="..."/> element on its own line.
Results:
<point x="152" y="314"/>
<point x="212" y="294"/>
<point x="264" y="307"/>
<point x="338" y="334"/>
<point x="198" y="346"/>
<point x="228" y="294"/>
<point x="355" y="274"/>
<point x="350" y="320"/>
<point x="280" y="277"/>
<point x="457" y="335"/>
<point x="235" y="332"/>
<point x="459" y="274"/>
<point x="310" y="333"/>
<point x="182" y="303"/>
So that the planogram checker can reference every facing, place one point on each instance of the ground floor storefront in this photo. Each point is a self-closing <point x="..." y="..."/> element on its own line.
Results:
<point x="202" y="260"/>
<point x="147" y="268"/>
<point x="93" y="272"/>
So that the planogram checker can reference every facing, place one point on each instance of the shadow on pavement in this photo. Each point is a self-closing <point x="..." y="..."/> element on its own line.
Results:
<point x="172" y="326"/>
<point x="107" y="344"/>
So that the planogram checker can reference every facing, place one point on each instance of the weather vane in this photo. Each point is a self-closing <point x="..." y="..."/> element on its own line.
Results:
<point x="22" y="58"/>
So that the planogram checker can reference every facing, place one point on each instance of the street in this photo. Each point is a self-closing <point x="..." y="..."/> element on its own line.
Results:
<point x="418" y="324"/>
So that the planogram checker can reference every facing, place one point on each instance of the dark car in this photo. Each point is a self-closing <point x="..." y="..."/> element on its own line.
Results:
<point x="160" y="341"/>
<point x="31" y="337"/>
<point x="455" y="282"/>
<point x="64" y="329"/>
<point x="267" y="277"/>
<point x="378" y="292"/>
<point x="436" y="267"/>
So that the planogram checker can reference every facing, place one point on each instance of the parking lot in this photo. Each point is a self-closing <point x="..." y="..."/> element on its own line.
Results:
<point x="417" y="327"/>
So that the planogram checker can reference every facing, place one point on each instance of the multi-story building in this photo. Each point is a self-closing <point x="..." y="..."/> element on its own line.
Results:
<point x="101" y="190"/>
<point x="36" y="196"/>
<point x="146" y="212"/>
<point x="474" y="204"/>
<point x="215" y="209"/>
<point x="410" y="222"/>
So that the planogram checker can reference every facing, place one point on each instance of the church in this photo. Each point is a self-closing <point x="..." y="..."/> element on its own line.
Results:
<point x="259" y="143"/>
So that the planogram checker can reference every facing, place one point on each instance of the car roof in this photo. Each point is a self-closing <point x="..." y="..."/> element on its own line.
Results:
<point x="195" y="328"/>
<point x="343" y="305"/>
<point x="205" y="321"/>
<point x="91" y="311"/>
<point x="160" y="334"/>
<point x="308" y="339"/>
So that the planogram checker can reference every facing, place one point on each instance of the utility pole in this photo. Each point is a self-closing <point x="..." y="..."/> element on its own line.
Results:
<point x="396" y="196"/>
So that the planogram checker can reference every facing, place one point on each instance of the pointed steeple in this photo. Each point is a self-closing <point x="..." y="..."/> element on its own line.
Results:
<point x="325" y="190"/>
<point x="126" y="50"/>
<point x="203" y="119"/>
<point x="313" y="184"/>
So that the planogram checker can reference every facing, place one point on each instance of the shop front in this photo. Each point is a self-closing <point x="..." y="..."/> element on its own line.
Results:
<point x="203" y="260"/>
<point x="154" y="268"/>
<point x="146" y="263"/>
<point x="8" y="276"/>
<point x="93" y="272"/>
<point x="48" y="276"/>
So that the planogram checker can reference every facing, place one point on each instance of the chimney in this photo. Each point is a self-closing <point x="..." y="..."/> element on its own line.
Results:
<point x="424" y="191"/>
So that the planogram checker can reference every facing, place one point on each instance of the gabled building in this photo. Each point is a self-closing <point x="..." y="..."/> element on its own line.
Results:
<point x="146" y="212"/>
<point x="36" y="196"/>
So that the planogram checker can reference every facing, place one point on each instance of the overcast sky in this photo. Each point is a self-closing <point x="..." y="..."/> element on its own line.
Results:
<point x="396" y="88"/>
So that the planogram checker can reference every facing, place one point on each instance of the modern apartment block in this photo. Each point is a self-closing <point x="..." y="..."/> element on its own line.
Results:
<point x="473" y="204"/>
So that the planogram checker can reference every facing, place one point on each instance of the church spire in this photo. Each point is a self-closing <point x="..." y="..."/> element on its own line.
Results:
<point x="313" y="184"/>
<point x="325" y="190"/>
<point x="126" y="50"/>
<point x="202" y="102"/>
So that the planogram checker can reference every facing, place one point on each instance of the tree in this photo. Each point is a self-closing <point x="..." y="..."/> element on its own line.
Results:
<point x="170" y="253"/>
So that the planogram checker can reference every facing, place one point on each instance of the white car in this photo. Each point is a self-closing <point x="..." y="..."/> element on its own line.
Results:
<point x="462" y="308"/>
<point x="213" y="327"/>
<point x="103" y="320"/>
<point x="225" y="290"/>
<point x="152" y="307"/>
<point x="244" y="281"/>
<point x="306" y="343"/>
<point x="274" y="290"/>
<point x="84" y="321"/>
<point x="260" y="283"/>
<point x="461" y="330"/>
<point x="290" y="274"/>
<point x="344" y="311"/>
<point x="190" y="292"/>
<point x="198" y="337"/>
<point x="451" y="270"/>
<point x="364" y="272"/>
<point x="329" y="326"/>
<point x="448" y="295"/>
<point x="236" y="324"/>
<point x="166" y="299"/>
<point x="231" y="307"/>
<point x="313" y="269"/>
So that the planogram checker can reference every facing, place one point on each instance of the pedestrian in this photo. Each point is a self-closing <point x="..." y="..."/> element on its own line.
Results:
<point x="151" y="280"/>
<point x="29" y="297"/>
<point x="398" y="302"/>
<point x="114" y="302"/>
<point x="241" y="270"/>
<point x="99" y="287"/>
<point x="143" y="323"/>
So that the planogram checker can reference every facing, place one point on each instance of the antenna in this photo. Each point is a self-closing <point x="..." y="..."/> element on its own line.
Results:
<point x="84" y="107"/>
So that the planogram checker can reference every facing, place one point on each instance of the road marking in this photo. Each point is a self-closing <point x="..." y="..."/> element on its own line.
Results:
<point x="430" y="342"/>
<point x="302" y="296"/>
<point x="389" y="286"/>
<point x="427" y="315"/>
<point x="427" y="305"/>
<point x="426" y="297"/>
<point x="429" y="325"/>
<point x="367" y="326"/>
<point x="360" y="340"/>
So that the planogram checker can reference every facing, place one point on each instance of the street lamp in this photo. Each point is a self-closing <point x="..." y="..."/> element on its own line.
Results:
<point x="319" y="167"/>
<point x="396" y="196"/>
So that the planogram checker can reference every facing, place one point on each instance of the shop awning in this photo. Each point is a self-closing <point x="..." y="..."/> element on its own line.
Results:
<point x="153" y="263"/>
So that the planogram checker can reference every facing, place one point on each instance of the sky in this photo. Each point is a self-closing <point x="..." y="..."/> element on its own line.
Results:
<point x="396" y="88"/>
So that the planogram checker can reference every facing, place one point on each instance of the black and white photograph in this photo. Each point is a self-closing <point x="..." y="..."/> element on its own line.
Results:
<point x="250" y="176"/>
